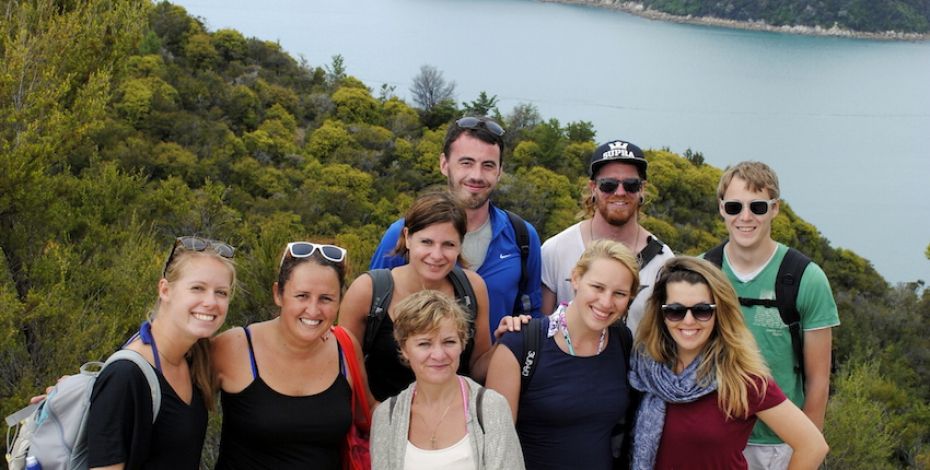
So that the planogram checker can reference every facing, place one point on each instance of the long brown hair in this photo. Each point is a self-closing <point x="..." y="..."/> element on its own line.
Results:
<point x="730" y="355"/>
<point x="198" y="356"/>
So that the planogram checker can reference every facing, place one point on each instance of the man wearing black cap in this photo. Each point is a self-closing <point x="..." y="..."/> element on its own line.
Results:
<point x="612" y="201"/>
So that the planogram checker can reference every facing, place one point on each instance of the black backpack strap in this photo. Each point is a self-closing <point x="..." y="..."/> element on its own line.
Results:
<point x="523" y="304"/>
<point x="382" y="287"/>
<point x="652" y="249"/>
<point x="787" y="285"/>
<point x="465" y="295"/>
<point x="625" y="426"/>
<point x="464" y="291"/>
<point x="478" y="408"/>
<point x="715" y="254"/>
<point x="530" y="358"/>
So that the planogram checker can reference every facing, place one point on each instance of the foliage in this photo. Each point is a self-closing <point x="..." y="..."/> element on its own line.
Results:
<point x="124" y="124"/>
<point x="856" y="15"/>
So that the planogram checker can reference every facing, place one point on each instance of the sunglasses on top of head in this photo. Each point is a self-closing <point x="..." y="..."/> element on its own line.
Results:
<point x="610" y="185"/>
<point x="756" y="206"/>
<point x="336" y="254"/>
<point x="197" y="244"/>
<point x="474" y="123"/>
<point x="677" y="312"/>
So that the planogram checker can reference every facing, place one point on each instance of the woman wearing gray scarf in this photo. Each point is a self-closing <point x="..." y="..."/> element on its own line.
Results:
<point x="703" y="379"/>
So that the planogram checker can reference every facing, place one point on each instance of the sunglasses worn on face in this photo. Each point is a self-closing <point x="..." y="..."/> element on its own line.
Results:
<point x="677" y="312"/>
<point x="197" y="244"/>
<point x="610" y="185"/>
<point x="475" y="123"/>
<point x="336" y="254"/>
<point x="756" y="206"/>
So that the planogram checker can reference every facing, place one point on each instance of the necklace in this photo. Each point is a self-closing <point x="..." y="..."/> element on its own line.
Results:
<point x="432" y="438"/>
<point x="558" y="320"/>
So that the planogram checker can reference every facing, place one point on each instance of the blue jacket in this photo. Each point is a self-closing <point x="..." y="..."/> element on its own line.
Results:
<point x="500" y="270"/>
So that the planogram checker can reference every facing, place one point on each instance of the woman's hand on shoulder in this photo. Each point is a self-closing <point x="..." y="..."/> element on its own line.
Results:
<point x="511" y="323"/>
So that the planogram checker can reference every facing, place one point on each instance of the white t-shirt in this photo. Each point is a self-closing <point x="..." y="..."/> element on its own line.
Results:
<point x="560" y="254"/>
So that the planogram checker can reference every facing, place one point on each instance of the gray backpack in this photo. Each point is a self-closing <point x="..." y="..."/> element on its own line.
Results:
<point x="54" y="429"/>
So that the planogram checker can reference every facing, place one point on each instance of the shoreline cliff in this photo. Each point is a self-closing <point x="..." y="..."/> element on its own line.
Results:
<point x="639" y="9"/>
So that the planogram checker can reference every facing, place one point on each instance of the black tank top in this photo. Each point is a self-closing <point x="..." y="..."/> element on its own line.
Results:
<point x="265" y="429"/>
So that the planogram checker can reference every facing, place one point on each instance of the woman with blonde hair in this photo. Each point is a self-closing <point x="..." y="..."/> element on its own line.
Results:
<point x="196" y="285"/>
<point x="578" y="392"/>
<point x="703" y="378"/>
<point x="442" y="420"/>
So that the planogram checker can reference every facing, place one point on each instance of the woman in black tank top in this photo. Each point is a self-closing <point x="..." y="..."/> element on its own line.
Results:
<point x="434" y="228"/>
<point x="285" y="393"/>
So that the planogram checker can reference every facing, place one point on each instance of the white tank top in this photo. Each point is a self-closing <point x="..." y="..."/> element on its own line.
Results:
<point x="455" y="457"/>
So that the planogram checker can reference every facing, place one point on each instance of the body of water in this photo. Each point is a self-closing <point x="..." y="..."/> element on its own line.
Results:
<point x="844" y="122"/>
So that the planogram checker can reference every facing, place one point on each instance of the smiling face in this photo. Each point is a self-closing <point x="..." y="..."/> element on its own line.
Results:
<point x="196" y="302"/>
<point x="433" y="250"/>
<point x="434" y="355"/>
<point x="689" y="334"/>
<point x="473" y="169"/>
<point x="602" y="293"/>
<point x="619" y="207"/>
<point x="748" y="230"/>
<point x="310" y="300"/>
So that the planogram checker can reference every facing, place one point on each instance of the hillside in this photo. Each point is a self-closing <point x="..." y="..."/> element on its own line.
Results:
<point x="125" y="123"/>
<point x="878" y="19"/>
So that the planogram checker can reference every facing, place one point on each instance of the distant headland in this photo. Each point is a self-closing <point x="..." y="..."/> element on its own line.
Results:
<point x="646" y="11"/>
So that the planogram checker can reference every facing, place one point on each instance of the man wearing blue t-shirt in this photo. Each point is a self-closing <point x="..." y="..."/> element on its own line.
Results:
<point x="471" y="159"/>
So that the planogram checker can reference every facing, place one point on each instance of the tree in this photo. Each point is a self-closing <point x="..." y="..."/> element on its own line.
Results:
<point x="430" y="88"/>
<point x="482" y="106"/>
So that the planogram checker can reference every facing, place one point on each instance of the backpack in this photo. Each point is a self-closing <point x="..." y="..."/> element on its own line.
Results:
<point x="653" y="248"/>
<point x="787" y="285"/>
<point x="54" y="430"/>
<point x="382" y="288"/>
<point x="522" y="304"/>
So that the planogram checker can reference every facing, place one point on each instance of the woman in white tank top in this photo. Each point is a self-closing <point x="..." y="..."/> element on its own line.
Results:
<point x="442" y="420"/>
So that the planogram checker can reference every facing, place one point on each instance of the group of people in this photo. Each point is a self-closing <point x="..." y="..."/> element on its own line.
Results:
<point x="599" y="348"/>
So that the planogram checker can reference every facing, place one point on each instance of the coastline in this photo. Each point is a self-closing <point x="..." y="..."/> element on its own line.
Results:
<point x="639" y="9"/>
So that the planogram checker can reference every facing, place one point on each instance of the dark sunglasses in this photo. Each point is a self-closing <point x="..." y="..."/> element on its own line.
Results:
<point x="474" y="123"/>
<point x="757" y="206"/>
<point x="336" y="254"/>
<point x="197" y="244"/>
<point x="677" y="312"/>
<point x="610" y="185"/>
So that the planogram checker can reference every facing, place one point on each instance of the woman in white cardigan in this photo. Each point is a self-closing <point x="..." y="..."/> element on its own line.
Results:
<point x="442" y="420"/>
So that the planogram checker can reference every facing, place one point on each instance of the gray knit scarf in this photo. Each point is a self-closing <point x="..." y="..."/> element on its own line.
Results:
<point x="660" y="386"/>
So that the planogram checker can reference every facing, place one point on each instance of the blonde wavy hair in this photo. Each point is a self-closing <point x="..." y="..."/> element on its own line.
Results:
<point x="731" y="355"/>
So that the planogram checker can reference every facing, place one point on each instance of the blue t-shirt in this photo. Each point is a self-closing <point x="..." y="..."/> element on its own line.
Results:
<point x="572" y="403"/>
<point x="501" y="269"/>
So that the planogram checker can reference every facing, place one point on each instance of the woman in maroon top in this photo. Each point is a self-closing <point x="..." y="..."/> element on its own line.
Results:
<point x="703" y="378"/>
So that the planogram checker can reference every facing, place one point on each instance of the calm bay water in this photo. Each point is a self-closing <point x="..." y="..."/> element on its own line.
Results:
<point x="846" y="123"/>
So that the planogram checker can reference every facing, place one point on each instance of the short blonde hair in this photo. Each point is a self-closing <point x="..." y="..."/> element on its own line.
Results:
<point x="757" y="175"/>
<point x="421" y="312"/>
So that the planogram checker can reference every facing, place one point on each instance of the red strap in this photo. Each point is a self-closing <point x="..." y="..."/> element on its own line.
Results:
<point x="348" y="349"/>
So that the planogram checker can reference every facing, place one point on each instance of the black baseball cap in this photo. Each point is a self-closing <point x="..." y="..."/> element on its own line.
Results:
<point x="617" y="151"/>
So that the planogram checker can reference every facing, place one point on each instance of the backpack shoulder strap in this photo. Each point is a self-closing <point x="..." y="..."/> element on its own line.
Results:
<point x="531" y="333"/>
<point x="787" y="285"/>
<point x="523" y="303"/>
<point x="464" y="290"/>
<point x="382" y="288"/>
<point x="715" y="254"/>
<point x="478" y="407"/>
<point x="653" y="248"/>
<point x="147" y="370"/>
